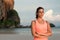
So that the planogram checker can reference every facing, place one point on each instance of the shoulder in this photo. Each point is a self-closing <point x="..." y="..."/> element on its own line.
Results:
<point x="33" y="21"/>
<point x="47" y="22"/>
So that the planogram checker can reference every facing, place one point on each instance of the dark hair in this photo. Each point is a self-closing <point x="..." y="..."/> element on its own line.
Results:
<point x="38" y="10"/>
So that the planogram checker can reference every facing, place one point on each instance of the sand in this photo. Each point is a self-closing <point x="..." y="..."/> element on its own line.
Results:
<point x="17" y="36"/>
<point x="23" y="35"/>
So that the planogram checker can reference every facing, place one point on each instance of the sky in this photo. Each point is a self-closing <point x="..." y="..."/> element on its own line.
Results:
<point x="26" y="10"/>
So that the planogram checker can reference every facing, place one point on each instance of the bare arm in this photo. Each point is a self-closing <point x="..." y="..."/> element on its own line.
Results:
<point x="49" y="31"/>
<point x="33" y="29"/>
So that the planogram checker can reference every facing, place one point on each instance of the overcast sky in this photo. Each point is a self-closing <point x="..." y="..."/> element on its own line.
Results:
<point x="26" y="10"/>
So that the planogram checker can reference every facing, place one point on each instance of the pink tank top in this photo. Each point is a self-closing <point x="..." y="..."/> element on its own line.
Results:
<point x="41" y="28"/>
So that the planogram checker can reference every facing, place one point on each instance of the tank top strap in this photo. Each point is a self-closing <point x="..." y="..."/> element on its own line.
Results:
<point x="45" y="22"/>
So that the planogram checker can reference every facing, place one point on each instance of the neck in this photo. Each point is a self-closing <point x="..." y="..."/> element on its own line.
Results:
<point x="40" y="20"/>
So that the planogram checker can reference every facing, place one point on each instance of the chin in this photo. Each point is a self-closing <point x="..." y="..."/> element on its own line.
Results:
<point x="41" y="16"/>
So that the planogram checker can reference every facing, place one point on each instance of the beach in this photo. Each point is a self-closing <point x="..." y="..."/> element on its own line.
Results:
<point x="24" y="34"/>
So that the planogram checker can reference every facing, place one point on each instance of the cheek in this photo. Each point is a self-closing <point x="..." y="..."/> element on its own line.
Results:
<point x="39" y="14"/>
<point x="43" y="14"/>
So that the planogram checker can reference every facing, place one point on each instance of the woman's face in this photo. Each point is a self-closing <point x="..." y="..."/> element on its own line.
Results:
<point x="40" y="13"/>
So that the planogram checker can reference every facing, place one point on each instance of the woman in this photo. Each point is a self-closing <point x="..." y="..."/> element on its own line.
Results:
<point x="40" y="28"/>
